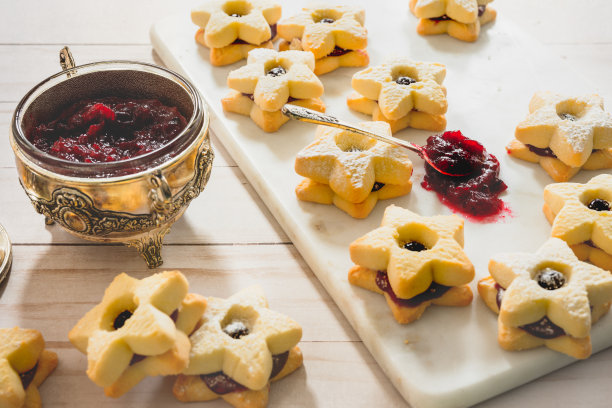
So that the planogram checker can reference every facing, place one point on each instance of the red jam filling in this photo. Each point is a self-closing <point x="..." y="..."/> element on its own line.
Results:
<point x="541" y="152"/>
<point x="108" y="129"/>
<point x="338" y="52"/>
<point x="220" y="383"/>
<point x="434" y="291"/>
<point x="28" y="376"/>
<point x="477" y="193"/>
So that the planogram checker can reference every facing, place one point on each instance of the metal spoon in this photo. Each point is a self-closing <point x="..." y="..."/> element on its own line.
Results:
<point x="311" y="116"/>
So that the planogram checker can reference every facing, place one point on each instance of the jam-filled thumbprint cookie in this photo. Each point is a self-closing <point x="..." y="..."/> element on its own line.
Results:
<point x="232" y="28"/>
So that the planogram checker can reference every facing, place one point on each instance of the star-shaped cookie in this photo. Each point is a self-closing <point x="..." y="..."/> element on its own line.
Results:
<point x="581" y="215"/>
<point x="139" y="329"/>
<point x="24" y="365"/>
<point x="401" y="85"/>
<point x="440" y="258"/>
<point x="322" y="30"/>
<point x="463" y="11"/>
<point x="351" y="164"/>
<point x="236" y="348"/>
<point x="548" y="298"/>
<point x="571" y="127"/>
<point x="225" y="21"/>
<point x="460" y="19"/>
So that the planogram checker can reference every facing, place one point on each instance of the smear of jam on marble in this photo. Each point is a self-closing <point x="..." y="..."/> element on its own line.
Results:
<point x="476" y="194"/>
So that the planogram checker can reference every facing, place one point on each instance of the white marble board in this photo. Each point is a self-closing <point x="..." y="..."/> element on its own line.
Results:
<point x="450" y="357"/>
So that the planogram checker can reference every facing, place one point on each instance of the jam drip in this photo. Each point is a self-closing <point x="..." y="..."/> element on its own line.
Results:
<point x="434" y="291"/>
<point x="476" y="193"/>
<point x="28" y="376"/>
<point x="108" y="129"/>
<point x="221" y="383"/>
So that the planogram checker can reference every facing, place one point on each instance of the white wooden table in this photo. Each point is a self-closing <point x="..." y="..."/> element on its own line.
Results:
<point x="228" y="239"/>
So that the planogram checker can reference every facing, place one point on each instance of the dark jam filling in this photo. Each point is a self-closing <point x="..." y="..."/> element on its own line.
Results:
<point x="338" y="52"/>
<point x="481" y="10"/>
<point x="221" y="383"/>
<point x="414" y="246"/>
<point x="272" y="35"/>
<point x="108" y="129"/>
<point x="327" y="20"/>
<point x="377" y="186"/>
<point x="405" y="80"/>
<point x="276" y="72"/>
<point x="541" y="152"/>
<point x="28" y="376"/>
<point x="121" y="319"/>
<point x="599" y="205"/>
<point x="543" y="328"/>
<point x="434" y="291"/>
<point x="550" y="279"/>
<point x="236" y="330"/>
<point x="476" y="193"/>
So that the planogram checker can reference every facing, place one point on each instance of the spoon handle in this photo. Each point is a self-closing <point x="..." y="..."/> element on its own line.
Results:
<point x="311" y="116"/>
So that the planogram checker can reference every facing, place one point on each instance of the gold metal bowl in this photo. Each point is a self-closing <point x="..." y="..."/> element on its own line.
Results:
<point x="133" y="201"/>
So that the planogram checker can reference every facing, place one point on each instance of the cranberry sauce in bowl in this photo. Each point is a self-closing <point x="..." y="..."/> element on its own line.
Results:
<point x="108" y="129"/>
<point x="476" y="194"/>
<point x="108" y="119"/>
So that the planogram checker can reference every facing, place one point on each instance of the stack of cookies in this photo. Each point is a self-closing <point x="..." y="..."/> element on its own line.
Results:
<point x="414" y="262"/>
<point x="460" y="19"/>
<point x="335" y="35"/>
<point x="233" y="28"/>
<point x="403" y="93"/>
<point x="269" y="80"/>
<point x="549" y="298"/>
<point x="564" y="134"/>
<point x="352" y="171"/>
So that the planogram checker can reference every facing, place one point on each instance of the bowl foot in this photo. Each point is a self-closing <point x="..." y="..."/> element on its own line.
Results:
<point x="149" y="246"/>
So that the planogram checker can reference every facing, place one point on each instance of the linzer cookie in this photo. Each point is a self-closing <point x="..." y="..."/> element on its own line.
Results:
<point x="352" y="171"/>
<point x="24" y="365"/>
<point x="565" y="134"/>
<point x="238" y="350"/>
<point x="139" y="329"/>
<point x="414" y="262"/>
<point x="334" y="34"/>
<point x="581" y="215"/>
<point x="403" y="93"/>
<point x="232" y="28"/>
<point x="268" y="81"/>
<point x="460" y="19"/>
<point x="548" y="298"/>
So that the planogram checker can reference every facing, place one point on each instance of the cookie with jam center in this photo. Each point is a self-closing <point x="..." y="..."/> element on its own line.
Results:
<point x="269" y="80"/>
<point x="414" y="261"/>
<point x="232" y="28"/>
<point x="460" y="19"/>
<point x="549" y="298"/>
<point x="562" y="133"/>
<point x="352" y="171"/>
<point x="139" y="329"/>
<point x="336" y="35"/>
<point x="24" y="365"/>
<point x="581" y="215"/>
<point x="239" y="348"/>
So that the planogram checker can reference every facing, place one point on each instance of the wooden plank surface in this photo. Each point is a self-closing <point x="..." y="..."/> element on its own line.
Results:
<point x="236" y="242"/>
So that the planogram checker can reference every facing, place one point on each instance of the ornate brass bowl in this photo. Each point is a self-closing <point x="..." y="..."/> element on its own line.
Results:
<point x="133" y="201"/>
